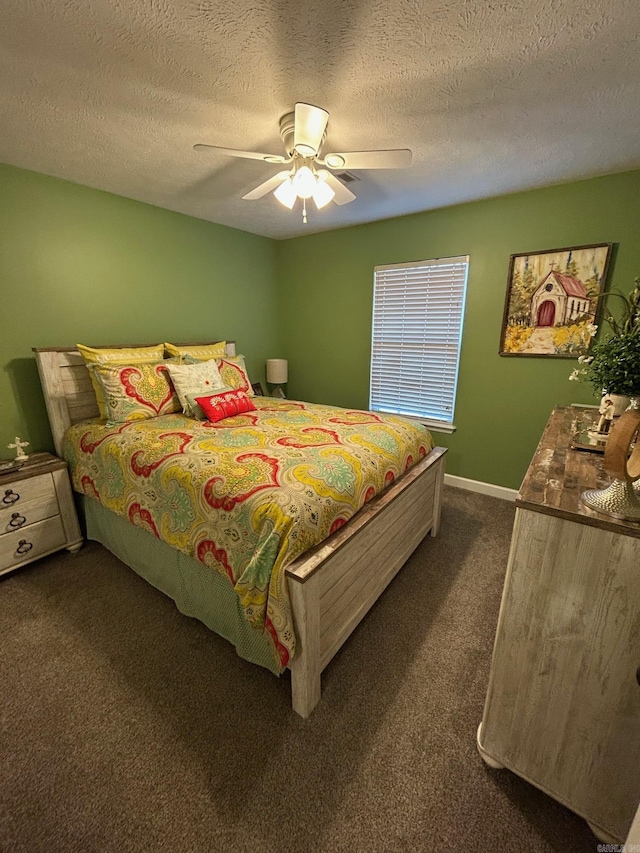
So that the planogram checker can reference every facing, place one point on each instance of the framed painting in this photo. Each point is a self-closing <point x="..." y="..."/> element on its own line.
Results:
<point x="552" y="301"/>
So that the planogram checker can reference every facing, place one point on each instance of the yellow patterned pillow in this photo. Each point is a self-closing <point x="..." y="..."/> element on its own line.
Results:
<point x="133" y="392"/>
<point x="233" y="373"/>
<point x="124" y="355"/>
<point x="200" y="353"/>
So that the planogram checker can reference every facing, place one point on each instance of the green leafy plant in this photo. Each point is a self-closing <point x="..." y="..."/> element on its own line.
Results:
<point x="614" y="363"/>
<point x="630" y="320"/>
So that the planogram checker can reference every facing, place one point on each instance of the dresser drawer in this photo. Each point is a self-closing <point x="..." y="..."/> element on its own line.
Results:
<point x="23" y="545"/>
<point x="14" y="496"/>
<point x="28" y="513"/>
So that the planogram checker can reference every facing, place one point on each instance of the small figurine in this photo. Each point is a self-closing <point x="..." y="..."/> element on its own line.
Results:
<point x="17" y="446"/>
<point x="606" y="416"/>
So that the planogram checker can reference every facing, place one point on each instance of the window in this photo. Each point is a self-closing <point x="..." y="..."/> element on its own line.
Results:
<point x="417" y="328"/>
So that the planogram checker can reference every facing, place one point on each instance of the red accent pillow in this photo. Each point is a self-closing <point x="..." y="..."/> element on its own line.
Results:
<point x="225" y="404"/>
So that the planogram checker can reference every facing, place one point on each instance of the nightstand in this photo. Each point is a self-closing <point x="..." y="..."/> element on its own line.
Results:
<point x="37" y="513"/>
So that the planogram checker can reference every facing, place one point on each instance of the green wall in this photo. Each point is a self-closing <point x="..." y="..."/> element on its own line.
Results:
<point x="79" y="265"/>
<point x="82" y="266"/>
<point x="326" y="285"/>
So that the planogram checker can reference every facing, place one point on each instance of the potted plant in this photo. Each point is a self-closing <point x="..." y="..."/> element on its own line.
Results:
<point x="613" y="367"/>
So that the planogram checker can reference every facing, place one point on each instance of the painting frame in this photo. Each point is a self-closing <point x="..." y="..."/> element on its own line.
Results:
<point x="552" y="314"/>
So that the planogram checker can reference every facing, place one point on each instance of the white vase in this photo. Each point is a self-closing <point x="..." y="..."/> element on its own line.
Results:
<point x="619" y="402"/>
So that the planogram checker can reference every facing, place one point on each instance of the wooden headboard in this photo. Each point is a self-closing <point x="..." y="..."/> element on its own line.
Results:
<point x="68" y="392"/>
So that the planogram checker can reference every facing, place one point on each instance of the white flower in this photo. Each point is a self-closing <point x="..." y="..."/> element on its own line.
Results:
<point x="575" y="375"/>
<point x="585" y="359"/>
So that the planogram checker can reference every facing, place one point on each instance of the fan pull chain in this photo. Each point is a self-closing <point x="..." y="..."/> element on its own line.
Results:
<point x="304" y="211"/>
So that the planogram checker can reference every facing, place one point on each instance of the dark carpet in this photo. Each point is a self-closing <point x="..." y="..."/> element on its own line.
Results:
<point x="126" y="726"/>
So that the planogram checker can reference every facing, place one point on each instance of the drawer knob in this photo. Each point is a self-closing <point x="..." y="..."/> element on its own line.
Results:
<point x="24" y="547"/>
<point x="10" y="497"/>
<point x="17" y="520"/>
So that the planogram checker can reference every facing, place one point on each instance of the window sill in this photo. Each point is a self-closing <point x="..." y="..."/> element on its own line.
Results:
<point x="433" y="426"/>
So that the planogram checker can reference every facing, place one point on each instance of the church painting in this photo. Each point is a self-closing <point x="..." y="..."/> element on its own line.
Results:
<point x="552" y="301"/>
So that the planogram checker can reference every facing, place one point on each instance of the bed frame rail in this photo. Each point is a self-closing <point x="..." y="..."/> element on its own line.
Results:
<point x="357" y="564"/>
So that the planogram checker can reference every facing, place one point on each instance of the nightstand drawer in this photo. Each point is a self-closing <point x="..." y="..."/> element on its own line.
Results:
<point x="16" y="495"/>
<point x="23" y="545"/>
<point x="28" y="513"/>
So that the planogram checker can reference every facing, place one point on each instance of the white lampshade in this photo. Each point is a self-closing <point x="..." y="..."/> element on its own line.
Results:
<point x="277" y="371"/>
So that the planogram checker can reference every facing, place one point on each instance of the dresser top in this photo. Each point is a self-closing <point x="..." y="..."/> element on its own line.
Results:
<point x="37" y="463"/>
<point x="558" y="474"/>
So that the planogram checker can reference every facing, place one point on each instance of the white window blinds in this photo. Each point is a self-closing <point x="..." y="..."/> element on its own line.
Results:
<point x="417" y="327"/>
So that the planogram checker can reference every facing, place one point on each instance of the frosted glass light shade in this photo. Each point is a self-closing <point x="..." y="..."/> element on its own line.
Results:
<point x="322" y="194"/>
<point x="304" y="182"/>
<point x="277" y="371"/>
<point x="286" y="193"/>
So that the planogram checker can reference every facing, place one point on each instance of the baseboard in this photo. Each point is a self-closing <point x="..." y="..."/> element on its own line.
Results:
<point x="483" y="488"/>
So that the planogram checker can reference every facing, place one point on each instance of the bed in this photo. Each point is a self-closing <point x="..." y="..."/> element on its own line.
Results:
<point x="328" y="587"/>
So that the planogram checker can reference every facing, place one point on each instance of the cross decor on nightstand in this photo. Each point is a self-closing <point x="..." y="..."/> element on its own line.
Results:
<point x="17" y="446"/>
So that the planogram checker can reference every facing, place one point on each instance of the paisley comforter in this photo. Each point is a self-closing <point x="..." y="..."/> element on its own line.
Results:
<point x="247" y="495"/>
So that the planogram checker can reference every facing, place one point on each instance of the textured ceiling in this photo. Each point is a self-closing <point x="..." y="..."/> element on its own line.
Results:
<point x="491" y="97"/>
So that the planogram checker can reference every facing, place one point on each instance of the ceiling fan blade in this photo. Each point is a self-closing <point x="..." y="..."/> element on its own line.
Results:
<point x="342" y="194"/>
<point x="395" y="158"/>
<point x="249" y="155"/>
<point x="267" y="186"/>
<point x="309" y="126"/>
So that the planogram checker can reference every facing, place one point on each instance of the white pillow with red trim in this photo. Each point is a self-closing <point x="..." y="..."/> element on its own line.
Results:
<point x="194" y="380"/>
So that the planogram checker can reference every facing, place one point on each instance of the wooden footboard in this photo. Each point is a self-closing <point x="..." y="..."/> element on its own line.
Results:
<point x="334" y="585"/>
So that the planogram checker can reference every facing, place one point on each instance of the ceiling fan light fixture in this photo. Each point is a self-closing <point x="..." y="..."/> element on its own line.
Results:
<point x="286" y="193"/>
<point x="303" y="133"/>
<point x="322" y="194"/>
<point x="304" y="182"/>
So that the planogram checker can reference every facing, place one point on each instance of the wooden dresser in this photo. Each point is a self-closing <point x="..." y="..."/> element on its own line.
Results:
<point x="563" y="703"/>
<point x="37" y="513"/>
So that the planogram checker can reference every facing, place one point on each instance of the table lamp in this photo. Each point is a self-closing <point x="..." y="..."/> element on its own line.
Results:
<point x="277" y="372"/>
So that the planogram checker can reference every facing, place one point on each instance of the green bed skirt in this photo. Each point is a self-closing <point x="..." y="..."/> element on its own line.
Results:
<point x="197" y="591"/>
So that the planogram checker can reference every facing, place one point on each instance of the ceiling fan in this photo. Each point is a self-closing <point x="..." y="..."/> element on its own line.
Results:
<point x="303" y="132"/>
